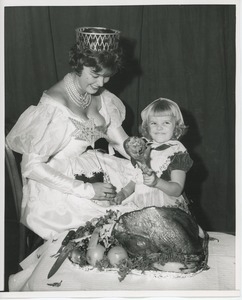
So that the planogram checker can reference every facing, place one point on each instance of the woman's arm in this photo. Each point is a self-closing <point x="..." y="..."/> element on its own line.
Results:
<point x="35" y="168"/>
<point x="117" y="136"/>
<point x="174" y="187"/>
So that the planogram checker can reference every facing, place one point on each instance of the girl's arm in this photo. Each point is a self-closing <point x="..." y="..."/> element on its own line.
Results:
<point x="174" y="187"/>
<point x="125" y="192"/>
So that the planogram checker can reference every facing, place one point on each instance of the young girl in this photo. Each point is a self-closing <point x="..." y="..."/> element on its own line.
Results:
<point x="162" y="126"/>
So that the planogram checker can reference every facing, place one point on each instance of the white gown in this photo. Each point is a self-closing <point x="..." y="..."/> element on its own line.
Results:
<point x="53" y="141"/>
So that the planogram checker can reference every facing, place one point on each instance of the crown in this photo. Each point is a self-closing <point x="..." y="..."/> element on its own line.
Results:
<point x="97" y="38"/>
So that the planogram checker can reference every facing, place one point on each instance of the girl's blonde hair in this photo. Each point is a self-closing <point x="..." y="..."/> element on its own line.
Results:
<point x="159" y="107"/>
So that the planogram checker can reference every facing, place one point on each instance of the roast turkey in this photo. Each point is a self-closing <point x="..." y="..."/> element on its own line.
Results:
<point x="170" y="234"/>
<point x="155" y="238"/>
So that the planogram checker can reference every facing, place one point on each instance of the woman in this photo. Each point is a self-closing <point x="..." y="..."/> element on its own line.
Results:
<point x="54" y="135"/>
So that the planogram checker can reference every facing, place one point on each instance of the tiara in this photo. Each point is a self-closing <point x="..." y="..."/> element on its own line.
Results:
<point x="97" y="38"/>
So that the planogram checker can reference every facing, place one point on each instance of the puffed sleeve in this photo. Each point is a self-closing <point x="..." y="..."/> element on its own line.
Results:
<point x="181" y="161"/>
<point x="40" y="132"/>
<point x="114" y="113"/>
<point x="113" y="110"/>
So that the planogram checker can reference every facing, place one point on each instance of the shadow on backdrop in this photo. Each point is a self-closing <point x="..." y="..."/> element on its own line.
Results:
<point x="198" y="173"/>
<point x="130" y="70"/>
<point x="120" y="81"/>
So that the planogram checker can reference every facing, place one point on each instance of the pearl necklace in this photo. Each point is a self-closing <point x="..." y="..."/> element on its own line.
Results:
<point x="80" y="100"/>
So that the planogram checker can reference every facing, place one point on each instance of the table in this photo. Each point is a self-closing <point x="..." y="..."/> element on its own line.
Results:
<point x="220" y="276"/>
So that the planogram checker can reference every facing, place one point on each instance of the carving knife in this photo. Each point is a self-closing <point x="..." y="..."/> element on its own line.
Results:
<point x="63" y="255"/>
<point x="70" y="235"/>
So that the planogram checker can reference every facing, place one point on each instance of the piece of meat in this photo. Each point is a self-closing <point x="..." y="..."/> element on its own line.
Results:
<point x="139" y="152"/>
<point x="167" y="231"/>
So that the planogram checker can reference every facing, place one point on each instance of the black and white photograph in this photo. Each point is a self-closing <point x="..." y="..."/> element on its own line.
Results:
<point x="121" y="140"/>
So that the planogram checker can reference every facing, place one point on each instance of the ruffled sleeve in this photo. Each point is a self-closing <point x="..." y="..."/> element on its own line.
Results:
<point x="113" y="109"/>
<point x="181" y="161"/>
<point x="40" y="130"/>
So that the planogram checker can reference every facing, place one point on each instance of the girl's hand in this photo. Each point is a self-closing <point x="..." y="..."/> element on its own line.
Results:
<point x="104" y="191"/>
<point x="119" y="198"/>
<point x="150" y="180"/>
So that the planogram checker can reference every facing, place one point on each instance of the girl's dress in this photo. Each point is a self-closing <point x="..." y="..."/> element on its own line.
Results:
<point x="164" y="158"/>
<point x="53" y="143"/>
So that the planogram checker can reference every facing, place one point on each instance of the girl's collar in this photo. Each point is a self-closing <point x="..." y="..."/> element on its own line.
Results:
<point x="167" y="143"/>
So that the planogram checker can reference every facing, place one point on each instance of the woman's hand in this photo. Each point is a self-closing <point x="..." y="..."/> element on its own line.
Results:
<point x="150" y="180"/>
<point x="104" y="191"/>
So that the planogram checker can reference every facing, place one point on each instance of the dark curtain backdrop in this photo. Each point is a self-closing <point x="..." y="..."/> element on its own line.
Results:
<point x="182" y="52"/>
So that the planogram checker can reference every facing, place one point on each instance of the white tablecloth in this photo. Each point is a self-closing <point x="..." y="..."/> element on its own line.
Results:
<point x="220" y="276"/>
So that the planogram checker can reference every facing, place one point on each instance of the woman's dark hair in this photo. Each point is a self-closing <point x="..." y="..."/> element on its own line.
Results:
<point x="98" y="60"/>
